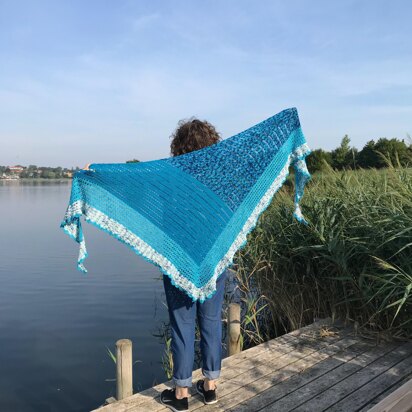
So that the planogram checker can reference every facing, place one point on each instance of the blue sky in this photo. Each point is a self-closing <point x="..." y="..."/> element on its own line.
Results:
<point x="105" y="81"/>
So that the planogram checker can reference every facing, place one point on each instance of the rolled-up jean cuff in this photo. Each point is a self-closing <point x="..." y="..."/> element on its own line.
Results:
<point x="211" y="374"/>
<point x="183" y="382"/>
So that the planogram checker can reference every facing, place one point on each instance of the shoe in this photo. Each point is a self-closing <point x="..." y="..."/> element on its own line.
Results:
<point x="209" y="396"/>
<point x="168" y="398"/>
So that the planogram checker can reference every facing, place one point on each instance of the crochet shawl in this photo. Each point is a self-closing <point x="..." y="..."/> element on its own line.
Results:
<point x="189" y="214"/>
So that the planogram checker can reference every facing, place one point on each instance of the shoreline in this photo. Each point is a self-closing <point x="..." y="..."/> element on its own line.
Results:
<point x="37" y="179"/>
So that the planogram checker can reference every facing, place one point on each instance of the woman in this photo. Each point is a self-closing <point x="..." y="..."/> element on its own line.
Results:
<point x="193" y="135"/>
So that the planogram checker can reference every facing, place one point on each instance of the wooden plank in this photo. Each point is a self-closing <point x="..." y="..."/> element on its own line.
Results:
<point x="305" y="331"/>
<point x="385" y="394"/>
<point x="257" y="350"/>
<point x="263" y="360"/>
<point x="346" y="386"/>
<point x="310" y="331"/>
<point x="375" y="387"/>
<point x="398" y="401"/>
<point x="323" y="362"/>
<point x="321" y="384"/>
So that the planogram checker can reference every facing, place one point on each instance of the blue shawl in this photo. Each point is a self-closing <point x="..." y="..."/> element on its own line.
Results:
<point x="189" y="214"/>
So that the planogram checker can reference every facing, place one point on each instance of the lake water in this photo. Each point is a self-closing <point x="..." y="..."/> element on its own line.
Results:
<point x="56" y="322"/>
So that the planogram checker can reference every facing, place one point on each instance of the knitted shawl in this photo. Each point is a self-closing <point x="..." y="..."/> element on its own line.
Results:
<point x="189" y="214"/>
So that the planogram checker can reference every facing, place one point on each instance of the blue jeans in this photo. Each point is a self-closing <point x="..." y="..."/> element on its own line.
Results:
<point x="182" y="313"/>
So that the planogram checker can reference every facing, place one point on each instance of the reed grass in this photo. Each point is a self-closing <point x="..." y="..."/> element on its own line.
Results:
<point x="353" y="260"/>
<point x="164" y="334"/>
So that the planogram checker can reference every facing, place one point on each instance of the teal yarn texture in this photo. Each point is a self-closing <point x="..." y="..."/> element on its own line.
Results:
<point x="190" y="214"/>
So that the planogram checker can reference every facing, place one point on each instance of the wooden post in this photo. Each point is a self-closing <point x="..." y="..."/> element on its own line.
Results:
<point x="124" y="369"/>
<point x="233" y="332"/>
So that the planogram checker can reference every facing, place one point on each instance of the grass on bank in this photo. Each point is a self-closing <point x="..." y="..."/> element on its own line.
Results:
<point x="353" y="260"/>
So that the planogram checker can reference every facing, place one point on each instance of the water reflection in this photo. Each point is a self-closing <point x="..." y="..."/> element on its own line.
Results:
<point x="56" y="322"/>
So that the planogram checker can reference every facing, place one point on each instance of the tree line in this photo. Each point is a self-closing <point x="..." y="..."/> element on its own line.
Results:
<point x="33" y="171"/>
<point x="44" y="172"/>
<point x="373" y="155"/>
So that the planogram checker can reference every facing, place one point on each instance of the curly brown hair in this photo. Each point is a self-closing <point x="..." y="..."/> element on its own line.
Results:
<point x="192" y="134"/>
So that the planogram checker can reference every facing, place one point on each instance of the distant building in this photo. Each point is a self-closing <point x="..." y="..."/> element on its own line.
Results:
<point x="16" y="169"/>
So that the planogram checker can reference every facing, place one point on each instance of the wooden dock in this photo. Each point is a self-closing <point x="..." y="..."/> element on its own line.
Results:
<point x="319" y="367"/>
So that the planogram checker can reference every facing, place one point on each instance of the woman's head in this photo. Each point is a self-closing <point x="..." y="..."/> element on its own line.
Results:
<point x="192" y="134"/>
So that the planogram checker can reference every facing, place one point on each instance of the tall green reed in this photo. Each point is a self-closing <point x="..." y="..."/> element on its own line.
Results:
<point x="353" y="260"/>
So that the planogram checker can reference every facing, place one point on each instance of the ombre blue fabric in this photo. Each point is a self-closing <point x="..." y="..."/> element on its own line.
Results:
<point x="189" y="214"/>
